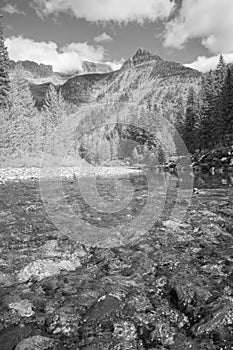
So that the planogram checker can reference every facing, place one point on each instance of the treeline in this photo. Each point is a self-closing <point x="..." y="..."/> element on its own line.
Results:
<point x="24" y="130"/>
<point x="122" y="141"/>
<point x="208" y="118"/>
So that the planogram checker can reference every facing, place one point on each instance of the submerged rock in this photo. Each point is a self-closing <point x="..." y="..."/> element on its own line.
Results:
<point x="35" y="343"/>
<point x="41" y="269"/>
<point x="105" y="307"/>
<point x="215" y="320"/>
<point x="23" y="307"/>
<point x="11" y="336"/>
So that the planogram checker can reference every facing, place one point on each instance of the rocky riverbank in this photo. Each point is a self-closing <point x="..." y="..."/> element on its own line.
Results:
<point x="34" y="173"/>
<point x="216" y="160"/>
<point x="166" y="290"/>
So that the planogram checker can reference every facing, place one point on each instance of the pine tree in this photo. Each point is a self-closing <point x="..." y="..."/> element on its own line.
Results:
<point x="189" y="131"/>
<point x="136" y="156"/>
<point x="4" y="65"/>
<point x="21" y="100"/>
<point x="55" y="106"/>
<point x="23" y="113"/>
<point x="221" y="69"/>
<point x="227" y="108"/>
<point x="219" y="80"/>
<point x="207" y="125"/>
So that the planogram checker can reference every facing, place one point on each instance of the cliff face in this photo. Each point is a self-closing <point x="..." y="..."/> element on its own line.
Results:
<point x="37" y="70"/>
<point x="92" y="67"/>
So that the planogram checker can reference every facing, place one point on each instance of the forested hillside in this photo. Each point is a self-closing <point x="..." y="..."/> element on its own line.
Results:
<point x="132" y="114"/>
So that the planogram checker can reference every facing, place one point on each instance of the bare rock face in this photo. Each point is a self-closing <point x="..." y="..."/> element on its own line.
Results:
<point x="142" y="56"/>
<point x="93" y="67"/>
<point x="37" y="70"/>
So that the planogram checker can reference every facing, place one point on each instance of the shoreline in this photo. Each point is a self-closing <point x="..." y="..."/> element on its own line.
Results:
<point x="36" y="173"/>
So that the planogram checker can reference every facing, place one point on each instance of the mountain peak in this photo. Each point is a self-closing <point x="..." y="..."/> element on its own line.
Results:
<point x="142" y="56"/>
<point x="142" y="52"/>
<point x="145" y="55"/>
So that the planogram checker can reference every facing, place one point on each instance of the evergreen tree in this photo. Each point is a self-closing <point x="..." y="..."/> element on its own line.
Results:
<point x="220" y="76"/>
<point x="114" y="145"/>
<point x="137" y="158"/>
<point x="21" y="100"/>
<point x="221" y="69"/>
<point x="23" y="113"/>
<point x="161" y="154"/>
<point x="4" y="65"/>
<point x="226" y="130"/>
<point x="55" y="106"/>
<point x="207" y="124"/>
<point x="189" y="131"/>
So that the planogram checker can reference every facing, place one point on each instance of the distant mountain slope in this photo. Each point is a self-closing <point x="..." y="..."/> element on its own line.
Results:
<point x="36" y="70"/>
<point x="41" y="73"/>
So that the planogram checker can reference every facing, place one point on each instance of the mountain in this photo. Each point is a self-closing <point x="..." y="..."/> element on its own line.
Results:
<point x="140" y="76"/>
<point x="147" y="90"/>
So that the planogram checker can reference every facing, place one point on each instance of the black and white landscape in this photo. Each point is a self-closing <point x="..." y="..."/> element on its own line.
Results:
<point x="116" y="174"/>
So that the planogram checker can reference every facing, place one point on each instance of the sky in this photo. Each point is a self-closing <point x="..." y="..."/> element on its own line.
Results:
<point x="63" y="33"/>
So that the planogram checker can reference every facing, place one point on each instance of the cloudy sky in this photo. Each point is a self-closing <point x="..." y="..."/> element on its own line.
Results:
<point x="65" y="32"/>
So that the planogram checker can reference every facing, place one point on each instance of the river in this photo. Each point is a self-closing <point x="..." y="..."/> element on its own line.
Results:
<point x="131" y="262"/>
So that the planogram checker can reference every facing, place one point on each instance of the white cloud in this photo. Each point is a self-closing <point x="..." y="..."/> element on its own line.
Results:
<point x="66" y="59"/>
<point x="210" y="20"/>
<point x="204" y="64"/>
<point x="12" y="9"/>
<point x="121" y="11"/>
<point x="104" y="37"/>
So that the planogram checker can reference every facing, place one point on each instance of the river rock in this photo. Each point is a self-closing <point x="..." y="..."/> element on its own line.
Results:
<point x="35" y="343"/>
<point x="106" y="306"/>
<point x="40" y="269"/>
<point x="6" y="280"/>
<point x="163" y="334"/>
<point x="125" y="334"/>
<point x="23" y="307"/>
<point x="11" y="336"/>
<point x="221" y="316"/>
